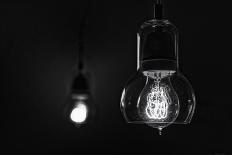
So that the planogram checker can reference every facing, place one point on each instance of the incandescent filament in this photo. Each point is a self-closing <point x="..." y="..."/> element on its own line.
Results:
<point x="157" y="102"/>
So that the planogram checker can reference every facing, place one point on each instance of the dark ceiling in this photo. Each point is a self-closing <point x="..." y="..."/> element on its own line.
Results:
<point x="38" y="52"/>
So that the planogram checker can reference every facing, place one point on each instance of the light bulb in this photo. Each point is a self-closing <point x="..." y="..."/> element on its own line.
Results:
<point x="158" y="94"/>
<point x="79" y="108"/>
<point x="158" y="104"/>
<point x="79" y="112"/>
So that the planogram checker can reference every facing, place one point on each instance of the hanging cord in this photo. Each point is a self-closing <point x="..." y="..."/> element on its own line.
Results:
<point x="80" y="41"/>
<point x="158" y="10"/>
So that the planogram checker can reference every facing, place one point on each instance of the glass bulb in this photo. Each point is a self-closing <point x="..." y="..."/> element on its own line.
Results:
<point x="79" y="109"/>
<point x="158" y="104"/>
<point x="158" y="94"/>
<point x="79" y="112"/>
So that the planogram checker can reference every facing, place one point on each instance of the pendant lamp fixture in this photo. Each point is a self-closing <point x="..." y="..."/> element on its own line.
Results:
<point x="80" y="109"/>
<point x="158" y="95"/>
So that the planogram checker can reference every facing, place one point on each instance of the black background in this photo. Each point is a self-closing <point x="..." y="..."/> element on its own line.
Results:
<point x="38" y="52"/>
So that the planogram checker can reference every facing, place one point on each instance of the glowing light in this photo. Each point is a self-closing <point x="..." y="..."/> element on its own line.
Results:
<point x="157" y="102"/>
<point x="79" y="113"/>
<point x="80" y="96"/>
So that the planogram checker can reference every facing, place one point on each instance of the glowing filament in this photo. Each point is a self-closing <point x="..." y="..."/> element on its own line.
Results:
<point x="157" y="103"/>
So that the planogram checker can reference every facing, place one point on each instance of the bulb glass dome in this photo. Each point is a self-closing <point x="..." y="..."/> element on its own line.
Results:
<point x="157" y="94"/>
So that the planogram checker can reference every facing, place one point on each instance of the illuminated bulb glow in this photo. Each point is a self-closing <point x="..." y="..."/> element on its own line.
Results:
<point x="80" y="96"/>
<point x="157" y="102"/>
<point x="79" y="113"/>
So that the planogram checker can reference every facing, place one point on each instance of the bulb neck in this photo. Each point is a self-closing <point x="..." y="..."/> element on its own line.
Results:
<point x="157" y="43"/>
<point x="80" y="84"/>
<point x="157" y="46"/>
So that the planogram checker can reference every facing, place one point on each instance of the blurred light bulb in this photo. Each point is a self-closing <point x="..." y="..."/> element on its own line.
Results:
<point x="79" y="109"/>
<point x="79" y="113"/>
<point x="158" y="103"/>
